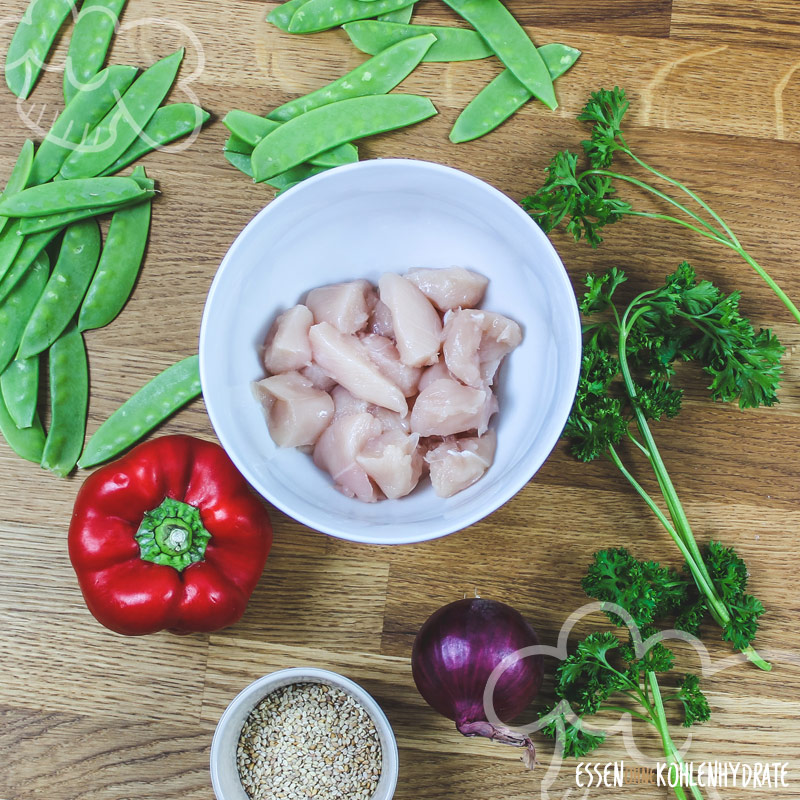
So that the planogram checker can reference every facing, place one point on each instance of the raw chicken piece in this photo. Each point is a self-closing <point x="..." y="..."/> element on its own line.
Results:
<point x="343" y="305"/>
<point x="434" y="373"/>
<point x="454" y="287"/>
<point x="391" y="420"/>
<point x="287" y="347"/>
<point x="417" y="327"/>
<point x="345" y="359"/>
<point x="475" y="342"/>
<point x="380" y="321"/>
<point x="446" y="407"/>
<point x="297" y="413"/>
<point x="459" y="463"/>
<point x="336" y="452"/>
<point x="393" y="461"/>
<point x="345" y="403"/>
<point x="318" y="376"/>
<point x="385" y="356"/>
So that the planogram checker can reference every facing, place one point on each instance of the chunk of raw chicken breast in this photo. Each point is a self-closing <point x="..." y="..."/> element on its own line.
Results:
<point x="346" y="306"/>
<point x="475" y="342"/>
<point x="454" y="287"/>
<point x="345" y="403"/>
<point x="297" y="413"/>
<point x="380" y="320"/>
<point x="434" y="373"/>
<point x="346" y="360"/>
<point x="416" y="324"/>
<point x="446" y="407"/>
<point x="336" y="452"/>
<point x="393" y="461"/>
<point x="287" y="347"/>
<point x="318" y="376"/>
<point x="457" y="464"/>
<point x="384" y="354"/>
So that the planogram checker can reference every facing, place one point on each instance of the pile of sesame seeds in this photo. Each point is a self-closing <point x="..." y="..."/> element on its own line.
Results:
<point x="309" y="740"/>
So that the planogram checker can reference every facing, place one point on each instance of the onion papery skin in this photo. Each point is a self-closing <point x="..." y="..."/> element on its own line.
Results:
<point x="456" y="651"/>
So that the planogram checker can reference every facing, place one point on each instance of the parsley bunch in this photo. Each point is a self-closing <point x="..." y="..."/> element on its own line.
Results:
<point x="626" y="380"/>
<point x="605" y="674"/>
<point x="586" y="200"/>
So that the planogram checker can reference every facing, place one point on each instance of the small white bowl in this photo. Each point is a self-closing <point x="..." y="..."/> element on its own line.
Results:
<point x="359" y="221"/>
<point x="224" y="771"/>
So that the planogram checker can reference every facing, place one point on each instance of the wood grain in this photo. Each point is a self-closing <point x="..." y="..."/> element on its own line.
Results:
<point x="89" y="715"/>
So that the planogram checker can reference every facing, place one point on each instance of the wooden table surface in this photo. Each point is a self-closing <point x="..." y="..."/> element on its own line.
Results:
<point x="86" y="714"/>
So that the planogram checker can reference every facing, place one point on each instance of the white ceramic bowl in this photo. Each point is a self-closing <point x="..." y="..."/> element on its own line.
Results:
<point x="224" y="771"/>
<point x="359" y="221"/>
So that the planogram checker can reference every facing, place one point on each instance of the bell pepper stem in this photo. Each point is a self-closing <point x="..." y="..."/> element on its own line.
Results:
<point x="172" y="535"/>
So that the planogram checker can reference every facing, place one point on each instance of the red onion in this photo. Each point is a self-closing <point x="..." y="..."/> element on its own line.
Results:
<point x="456" y="651"/>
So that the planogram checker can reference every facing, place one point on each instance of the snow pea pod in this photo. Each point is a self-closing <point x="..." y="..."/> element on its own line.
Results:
<point x="251" y="129"/>
<point x="118" y="129"/>
<point x="29" y="225"/>
<point x="320" y="15"/>
<point x="402" y="15"/>
<point x="169" y="123"/>
<point x="20" y="175"/>
<point x="241" y="161"/>
<point x="377" y="75"/>
<point x="69" y="401"/>
<point x="283" y="180"/>
<point x="303" y="137"/>
<point x="16" y="309"/>
<point x="235" y="144"/>
<point x="25" y="442"/>
<point x="32" y="246"/>
<point x="505" y="95"/>
<point x="119" y="265"/>
<point x="65" y="289"/>
<point x="89" y="105"/>
<point x="452" y="44"/>
<point x="31" y="42"/>
<point x="71" y="195"/>
<point x="10" y="244"/>
<point x="89" y="43"/>
<point x="282" y="15"/>
<point x="138" y="415"/>
<point x="19" y="384"/>
<point x="511" y="44"/>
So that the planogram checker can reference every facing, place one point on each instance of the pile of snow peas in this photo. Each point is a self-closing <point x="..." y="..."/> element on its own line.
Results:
<point x="59" y="278"/>
<point x="315" y="132"/>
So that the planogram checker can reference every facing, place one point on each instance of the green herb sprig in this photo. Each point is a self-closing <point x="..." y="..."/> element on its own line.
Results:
<point x="606" y="675"/>
<point x="585" y="201"/>
<point x="626" y="381"/>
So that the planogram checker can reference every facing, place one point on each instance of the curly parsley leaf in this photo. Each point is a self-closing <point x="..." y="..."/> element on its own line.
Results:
<point x="695" y="704"/>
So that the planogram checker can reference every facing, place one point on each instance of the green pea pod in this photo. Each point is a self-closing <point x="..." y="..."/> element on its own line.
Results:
<point x="294" y="176"/>
<point x="303" y="137"/>
<point x="452" y="44"/>
<point x="16" y="309"/>
<point x="138" y="415"/>
<point x="69" y="401"/>
<point x="402" y="15"/>
<point x="376" y="75"/>
<point x="10" y="245"/>
<point x="117" y="131"/>
<point x="90" y="104"/>
<point x="25" y="442"/>
<point x="119" y="265"/>
<point x="321" y="15"/>
<point x="511" y="44"/>
<point x="19" y="384"/>
<point x="20" y="175"/>
<point x="235" y="144"/>
<point x="252" y="128"/>
<point x="282" y="15"/>
<point x="505" y="94"/>
<point x="71" y="195"/>
<point x="241" y="161"/>
<point x="169" y="123"/>
<point x="76" y="263"/>
<point x="32" y="246"/>
<point x="89" y="43"/>
<point x="31" y="43"/>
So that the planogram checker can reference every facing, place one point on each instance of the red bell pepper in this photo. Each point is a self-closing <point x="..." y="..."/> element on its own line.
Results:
<point x="168" y="537"/>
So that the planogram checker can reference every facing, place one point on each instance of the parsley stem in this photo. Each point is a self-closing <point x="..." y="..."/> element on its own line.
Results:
<point x="682" y="222"/>
<point x="623" y="710"/>
<point x="795" y="312"/>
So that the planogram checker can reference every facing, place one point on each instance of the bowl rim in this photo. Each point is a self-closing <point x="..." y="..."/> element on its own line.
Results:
<point x="444" y="527"/>
<point x="258" y="689"/>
